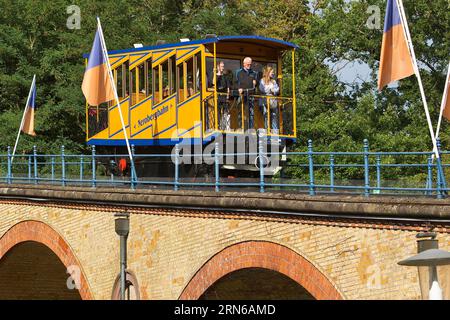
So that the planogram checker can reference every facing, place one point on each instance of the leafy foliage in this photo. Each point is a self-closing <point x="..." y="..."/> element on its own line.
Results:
<point x="336" y="115"/>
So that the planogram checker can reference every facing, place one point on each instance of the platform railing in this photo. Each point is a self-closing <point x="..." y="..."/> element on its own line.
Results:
<point x="273" y="113"/>
<point x="364" y="172"/>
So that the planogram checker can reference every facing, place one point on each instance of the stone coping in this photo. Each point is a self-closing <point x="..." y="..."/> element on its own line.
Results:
<point x="348" y="205"/>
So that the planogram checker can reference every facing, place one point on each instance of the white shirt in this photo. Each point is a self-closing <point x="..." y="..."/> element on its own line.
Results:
<point x="269" y="89"/>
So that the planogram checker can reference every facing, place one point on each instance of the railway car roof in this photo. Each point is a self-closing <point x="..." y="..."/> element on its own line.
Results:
<point x="268" y="42"/>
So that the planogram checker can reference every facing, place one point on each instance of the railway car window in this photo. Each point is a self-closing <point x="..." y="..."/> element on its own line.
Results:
<point x="97" y="119"/>
<point x="180" y="82"/>
<point x="231" y="65"/>
<point x="190" y="77"/>
<point x="148" y="83"/>
<point x="156" y="90"/>
<point x="126" y="72"/>
<point x="172" y="78"/>
<point x="259" y="66"/>
<point x="209" y="72"/>
<point x="133" y="88"/>
<point x="141" y="89"/>
<point x="198" y="72"/>
<point x="119" y="82"/>
<point x="165" y="79"/>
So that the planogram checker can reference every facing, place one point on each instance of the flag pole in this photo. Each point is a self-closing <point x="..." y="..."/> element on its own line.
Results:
<point x="23" y="117"/>
<point x="417" y="73"/>
<point x="444" y="99"/>
<point x="111" y="78"/>
<point x="422" y="92"/>
<point x="443" y="102"/>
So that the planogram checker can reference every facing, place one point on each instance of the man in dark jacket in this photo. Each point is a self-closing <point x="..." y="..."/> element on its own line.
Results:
<point x="246" y="80"/>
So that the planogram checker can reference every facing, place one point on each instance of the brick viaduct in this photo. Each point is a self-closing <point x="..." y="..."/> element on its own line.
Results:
<point x="207" y="245"/>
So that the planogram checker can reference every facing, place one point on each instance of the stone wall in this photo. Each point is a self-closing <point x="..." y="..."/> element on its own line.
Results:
<point x="351" y="258"/>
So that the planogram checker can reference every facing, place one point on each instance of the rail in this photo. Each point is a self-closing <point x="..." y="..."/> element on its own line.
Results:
<point x="246" y="111"/>
<point x="364" y="172"/>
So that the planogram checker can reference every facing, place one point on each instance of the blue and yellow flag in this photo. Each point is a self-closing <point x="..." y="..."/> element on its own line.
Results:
<point x="395" y="61"/>
<point x="28" y="119"/>
<point x="97" y="86"/>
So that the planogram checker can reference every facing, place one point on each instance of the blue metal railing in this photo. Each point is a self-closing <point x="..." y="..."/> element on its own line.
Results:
<point x="312" y="172"/>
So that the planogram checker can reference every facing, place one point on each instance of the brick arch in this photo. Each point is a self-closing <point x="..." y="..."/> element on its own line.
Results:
<point x="38" y="231"/>
<point x="261" y="254"/>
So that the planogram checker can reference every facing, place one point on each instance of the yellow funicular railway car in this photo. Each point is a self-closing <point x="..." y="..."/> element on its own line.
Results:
<point x="169" y="94"/>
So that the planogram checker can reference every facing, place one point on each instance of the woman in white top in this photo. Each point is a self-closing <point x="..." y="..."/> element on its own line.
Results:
<point x="269" y="87"/>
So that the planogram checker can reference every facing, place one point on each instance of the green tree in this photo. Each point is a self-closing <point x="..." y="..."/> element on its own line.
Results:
<point x="336" y="115"/>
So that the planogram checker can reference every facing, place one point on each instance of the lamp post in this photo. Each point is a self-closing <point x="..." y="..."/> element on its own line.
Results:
<point x="122" y="224"/>
<point x="428" y="259"/>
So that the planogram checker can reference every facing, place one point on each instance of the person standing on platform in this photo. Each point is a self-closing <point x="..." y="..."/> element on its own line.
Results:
<point x="269" y="87"/>
<point x="246" y="79"/>
<point x="223" y="90"/>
